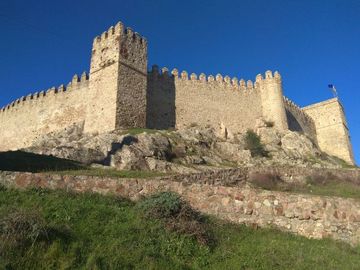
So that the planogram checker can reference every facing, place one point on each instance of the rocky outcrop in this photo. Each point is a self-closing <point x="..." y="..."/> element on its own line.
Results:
<point x="299" y="146"/>
<point x="183" y="151"/>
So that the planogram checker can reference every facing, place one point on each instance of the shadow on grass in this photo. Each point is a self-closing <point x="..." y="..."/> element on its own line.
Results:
<point x="28" y="162"/>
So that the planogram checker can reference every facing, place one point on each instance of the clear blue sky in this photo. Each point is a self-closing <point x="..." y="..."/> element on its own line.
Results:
<point x="312" y="43"/>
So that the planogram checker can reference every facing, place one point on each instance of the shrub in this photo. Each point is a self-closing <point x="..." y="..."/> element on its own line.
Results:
<point x="269" y="123"/>
<point x="21" y="228"/>
<point x="253" y="143"/>
<point x="267" y="181"/>
<point x="178" y="151"/>
<point x="321" y="178"/>
<point x="2" y="187"/>
<point x="177" y="216"/>
<point x="161" y="205"/>
<point x="191" y="223"/>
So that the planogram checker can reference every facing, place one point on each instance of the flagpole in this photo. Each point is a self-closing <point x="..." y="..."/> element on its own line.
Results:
<point x="333" y="90"/>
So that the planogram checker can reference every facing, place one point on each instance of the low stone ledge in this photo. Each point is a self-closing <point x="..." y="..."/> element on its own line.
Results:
<point x="307" y="215"/>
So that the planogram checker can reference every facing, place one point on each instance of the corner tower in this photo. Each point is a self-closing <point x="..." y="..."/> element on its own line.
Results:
<point x="331" y="128"/>
<point x="272" y="103"/>
<point x="118" y="78"/>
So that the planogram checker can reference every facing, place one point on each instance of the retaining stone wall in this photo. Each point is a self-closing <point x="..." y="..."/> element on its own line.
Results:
<point x="225" y="195"/>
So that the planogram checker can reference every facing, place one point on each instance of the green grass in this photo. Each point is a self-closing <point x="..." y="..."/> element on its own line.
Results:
<point x="136" y="131"/>
<point x="343" y="163"/>
<point x="331" y="188"/>
<point x="110" y="173"/>
<point x="101" y="232"/>
<point x="315" y="185"/>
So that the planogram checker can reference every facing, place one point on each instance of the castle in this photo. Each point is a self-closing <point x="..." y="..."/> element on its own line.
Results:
<point x="120" y="92"/>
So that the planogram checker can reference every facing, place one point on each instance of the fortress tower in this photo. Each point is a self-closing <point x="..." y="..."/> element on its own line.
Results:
<point x="272" y="103"/>
<point x="331" y="127"/>
<point x="118" y="77"/>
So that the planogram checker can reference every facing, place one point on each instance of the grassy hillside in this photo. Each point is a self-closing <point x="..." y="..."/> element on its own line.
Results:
<point x="89" y="231"/>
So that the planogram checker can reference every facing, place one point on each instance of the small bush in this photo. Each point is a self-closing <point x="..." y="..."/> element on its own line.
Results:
<point x="161" y="205"/>
<point x="321" y="179"/>
<point x="191" y="223"/>
<point x="2" y="187"/>
<point x="269" y="123"/>
<point x="253" y="143"/>
<point x="178" y="151"/>
<point x="177" y="215"/>
<point x="267" y="181"/>
<point x="21" y="228"/>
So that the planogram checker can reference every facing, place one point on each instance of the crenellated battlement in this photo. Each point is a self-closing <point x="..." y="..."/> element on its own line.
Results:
<point x="298" y="120"/>
<point x="290" y="104"/>
<point x="119" y="30"/>
<point x="226" y="82"/>
<point x="76" y="83"/>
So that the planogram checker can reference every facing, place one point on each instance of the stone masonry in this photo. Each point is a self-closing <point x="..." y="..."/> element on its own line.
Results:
<point x="212" y="193"/>
<point x="120" y="93"/>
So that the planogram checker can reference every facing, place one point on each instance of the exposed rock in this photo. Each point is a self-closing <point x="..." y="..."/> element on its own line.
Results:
<point x="297" y="145"/>
<point x="271" y="138"/>
<point x="165" y="166"/>
<point x="156" y="145"/>
<point x="260" y="123"/>
<point x="224" y="133"/>
<point x="129" y="158"/>
<point x="190" y="149"/>
<point x="214" y="160"/>
<point x="197" y="134"/>
<point x="197" y="160"/>
<point x="105" y="143"/>
<point x="227" y="148"/>
<point x="233" y="151"/>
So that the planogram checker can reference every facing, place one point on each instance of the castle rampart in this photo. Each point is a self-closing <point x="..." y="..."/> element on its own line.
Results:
<point x="119" y="93"/>
<point x="36" y="114"/>
<point x="298" y="120"/>
<point x="177" y="100"/>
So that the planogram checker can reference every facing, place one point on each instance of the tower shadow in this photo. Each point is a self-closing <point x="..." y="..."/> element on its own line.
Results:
<point x="160" y="96"/>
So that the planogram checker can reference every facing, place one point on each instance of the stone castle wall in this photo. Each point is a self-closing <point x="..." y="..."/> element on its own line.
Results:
<point x="299" y="121"/>
<point x="210" y="193"/>
<point x="178" y="101"/>
<point x="29" y="117"/>
<point x="332" y="131"/>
